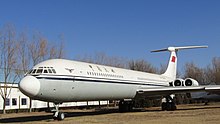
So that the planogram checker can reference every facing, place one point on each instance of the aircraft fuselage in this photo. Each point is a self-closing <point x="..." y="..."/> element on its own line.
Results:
<point x="79" y="81"/>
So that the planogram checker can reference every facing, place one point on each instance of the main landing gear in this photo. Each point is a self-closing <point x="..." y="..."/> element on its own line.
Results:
<point x="58" y="115"/>
<point x="126" y="106"/>
<point x="168" y="104"/>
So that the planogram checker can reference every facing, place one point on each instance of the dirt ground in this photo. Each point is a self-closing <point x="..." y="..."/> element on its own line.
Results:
<point x="186" y="114"/>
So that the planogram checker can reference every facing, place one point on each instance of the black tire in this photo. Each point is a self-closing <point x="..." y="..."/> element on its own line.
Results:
<point x="61" y="116"/>
<point x="164" y="106"/>
<point x="173" y="106"/>
<point x="125" y="106"/>
<point x="121" y="106"/>
<point x="169" y="106"/>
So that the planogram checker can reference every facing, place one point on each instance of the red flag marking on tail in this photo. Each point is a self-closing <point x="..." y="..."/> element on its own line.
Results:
<point x="173" y="59"/>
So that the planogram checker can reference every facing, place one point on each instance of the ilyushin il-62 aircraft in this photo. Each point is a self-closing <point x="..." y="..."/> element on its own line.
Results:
<point x="60" y="80"/>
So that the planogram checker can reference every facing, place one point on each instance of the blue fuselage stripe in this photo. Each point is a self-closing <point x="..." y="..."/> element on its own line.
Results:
<point x="100" y="81"/>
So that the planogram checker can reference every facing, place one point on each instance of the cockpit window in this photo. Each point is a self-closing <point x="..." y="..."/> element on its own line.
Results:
<point x="33" y="71"/>
<point x="41" y="70"/>
<point x="53" y="70"/>
<point x="49" y="70"/>
<point x="45" y="71"/>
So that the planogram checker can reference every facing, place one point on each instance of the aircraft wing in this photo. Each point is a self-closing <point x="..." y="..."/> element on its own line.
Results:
<point x="213" y="89"/>
<point x="163" y="91"/>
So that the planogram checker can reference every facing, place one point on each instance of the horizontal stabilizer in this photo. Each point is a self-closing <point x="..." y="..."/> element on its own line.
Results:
<point x="172" y="49"/>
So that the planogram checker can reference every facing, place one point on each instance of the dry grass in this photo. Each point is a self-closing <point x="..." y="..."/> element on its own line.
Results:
<point x="186" y="114"/>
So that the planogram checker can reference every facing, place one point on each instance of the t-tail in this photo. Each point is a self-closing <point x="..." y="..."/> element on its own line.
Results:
<point x="172" y="65"/>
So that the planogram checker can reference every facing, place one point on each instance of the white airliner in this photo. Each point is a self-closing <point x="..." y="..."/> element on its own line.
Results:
<point x="60" y="80"/>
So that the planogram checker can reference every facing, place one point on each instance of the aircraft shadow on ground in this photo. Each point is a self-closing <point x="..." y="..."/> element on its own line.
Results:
<point x="25" y="119"/>
<point x="48" y="118"/>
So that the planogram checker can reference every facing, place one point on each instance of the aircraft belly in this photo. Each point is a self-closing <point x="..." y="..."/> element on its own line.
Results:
<point x="104" y="91"/>
<point x="66" y="91"/>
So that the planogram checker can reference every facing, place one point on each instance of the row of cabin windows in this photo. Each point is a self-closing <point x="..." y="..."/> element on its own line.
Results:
<point x="104" y="75"/>
<point x="44" y="70"/>
<point x="14" y="101"/>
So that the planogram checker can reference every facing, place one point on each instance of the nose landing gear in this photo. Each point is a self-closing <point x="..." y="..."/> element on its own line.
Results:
<point x="58" y="115"/>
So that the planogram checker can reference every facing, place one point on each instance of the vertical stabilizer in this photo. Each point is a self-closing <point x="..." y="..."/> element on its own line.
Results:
<point x="172" y="65"/>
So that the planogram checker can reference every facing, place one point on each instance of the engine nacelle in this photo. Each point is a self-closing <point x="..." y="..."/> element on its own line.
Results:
<point x="190" y="82"/>
<point x="178" y="82"/>
<point x="187" y="82"/>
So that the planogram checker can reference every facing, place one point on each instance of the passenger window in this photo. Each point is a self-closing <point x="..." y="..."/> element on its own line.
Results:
<point x="45" y="71"/>
<point x="90" y="66"/>
<point x="106" y="70"/>
<point x="39" y="71"/>
<point x="99" y="68"/>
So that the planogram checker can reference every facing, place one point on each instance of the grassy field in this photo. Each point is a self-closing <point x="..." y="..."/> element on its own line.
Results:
<point x="186" y="114"/>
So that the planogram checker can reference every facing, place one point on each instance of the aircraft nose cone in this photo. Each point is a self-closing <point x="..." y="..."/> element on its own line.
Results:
<point x="30" y="86"/>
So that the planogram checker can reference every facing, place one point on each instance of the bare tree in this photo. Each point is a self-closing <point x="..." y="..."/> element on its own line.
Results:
<point x="213" y="71"/>
<point x="103" y="59"/>
<point x="23" y="56"/>
<point x="163" y="68"/>
<point x="56" y="51"/>
<point x="8" y="61"/>
<point x="142" y="65"/>
<point x="193" y="71"/>
<point x="38" y="48"/>
<point x="216" y="69"/>
<point x="61" y="53"/>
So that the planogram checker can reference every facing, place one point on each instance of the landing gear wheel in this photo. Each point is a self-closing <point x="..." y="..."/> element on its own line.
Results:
<point x="169" y="105"/>
<point x="164" y="106"/>
<point x="173" y="106"/>
<point x="58" y="116"/>
<point x="61" y="116"/>
<point x="126" y="106"/>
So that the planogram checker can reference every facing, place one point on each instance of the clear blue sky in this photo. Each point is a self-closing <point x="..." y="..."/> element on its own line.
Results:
<point x="125" y="28"/>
